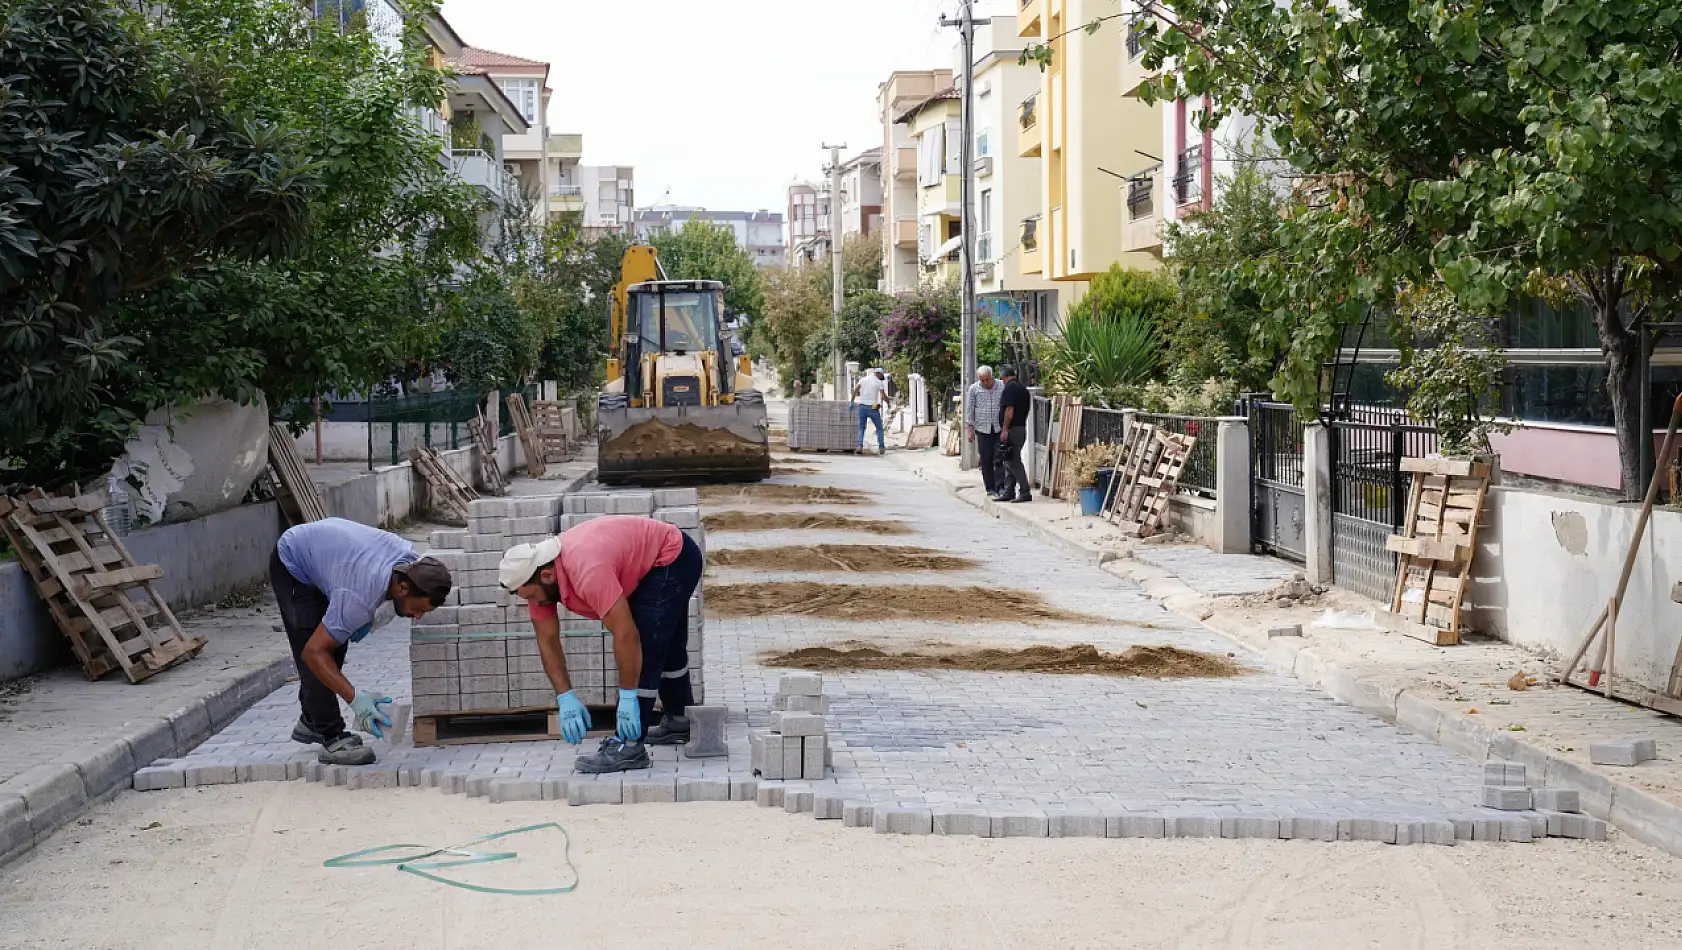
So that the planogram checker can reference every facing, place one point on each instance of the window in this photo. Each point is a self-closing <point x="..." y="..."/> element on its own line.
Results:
<point x="931" y="158"/>
<point x="985" y="212"/>
<point x="523" y="93"/>
<point x="983" y="143"/>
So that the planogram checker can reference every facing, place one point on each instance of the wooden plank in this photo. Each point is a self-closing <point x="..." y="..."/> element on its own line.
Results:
<point x="99" y="582"/>
<point x="1463" y="468"/>
<point x="922" y="436"/>
<point x="1430" y="548"/>
<point x="83" y="504"/>
<point x="426" y="729"/>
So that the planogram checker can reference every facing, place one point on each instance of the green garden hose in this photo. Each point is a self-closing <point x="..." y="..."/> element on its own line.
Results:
<point x="418" y="862"/>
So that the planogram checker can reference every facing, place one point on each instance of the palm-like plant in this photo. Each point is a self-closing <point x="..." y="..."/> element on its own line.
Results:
<point x="1100" y="355"/>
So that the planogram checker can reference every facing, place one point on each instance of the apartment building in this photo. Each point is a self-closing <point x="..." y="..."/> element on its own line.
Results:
<point x="1089" y="141"/>
<point x="1007" y="185"/>
<point x="808" y="222"/>
<point x="861" y="195"/>
<point x="760" y="233"/>
<point x="937" y="129"/>
<point x="903" y="89"/>
<point x="542" y="164"/>
<point x="609" y="197"/>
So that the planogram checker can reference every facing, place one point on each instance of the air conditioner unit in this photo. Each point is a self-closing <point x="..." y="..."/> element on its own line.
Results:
<point x="984" y="166"/>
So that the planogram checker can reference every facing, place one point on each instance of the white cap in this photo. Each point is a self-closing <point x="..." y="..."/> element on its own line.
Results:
<point x="521" y="561"/>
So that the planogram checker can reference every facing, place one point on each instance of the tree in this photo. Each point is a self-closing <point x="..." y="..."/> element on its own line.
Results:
<point x="796" y="308"/>
<point x="1480" y="143"/>
<point x="1125" y="290"/>
<point x="120" y="168"/>
<point x="702" y="250"/>
<point x="915" y="332"/>
<point x="861" y="330"/>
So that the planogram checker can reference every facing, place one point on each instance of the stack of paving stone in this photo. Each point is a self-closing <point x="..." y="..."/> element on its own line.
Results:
<point x="797" y="745"/>
<point x="479" y="654"/>
<point x="814" y="424"/>
<point x="1560" y="808"/>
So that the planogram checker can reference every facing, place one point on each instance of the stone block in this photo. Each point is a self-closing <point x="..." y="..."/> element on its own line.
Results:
<point x="484" y="701"/>
<point x="105" y="768"/>
<point x="546" y="507"/>
<point x="676" y="498"/>
<point x="1486" y="829"/>
<point x="595" y="791"/>
<point x="1562" y="825"/>
<point x="264" y="772"/>
<point x="902" y="821"/>
<point x="1425" y="832"/>
<point x="706" y="732"/>
<point x="149" y="740"/>
<point x="703" y="789"/>
<point x="494" y="683"/>
<point x="794" y="761"/>
<point x="818" y="705"/>
<point x="212" y="775"/>
<point x="1191" y="826"/>
<point x="152" y="778"/>
<point x="643" y="791"/>
<point x="373" y="777"/>
<point x="516" y="790"/>
<point x="190" y="724"/>
<point x="1025" y="824"/>
<point x="1134" y="826"/>
<point x="791" y="724"/>
<point x="1623" y="752"/>
<point x="972" y="822"/>
<point x="769" y="795"/>
<point x="14" y="825"/>
<point x="583" y="503"/>
<point x="797" y="801"/>
<point x="743" y="788"/>
<point x="1556" y="799"/>
<point x="490" y="541"/>
<point x="1367" y="829"/>
<point x="487" y="508"/>
<point x="684" y="517"/>
<point x="1506" y="797"/>
<point x="826" y="806"/>
<point x="1250" y="827"/>
<point x="449" y="539"/>
<point x="538" y="526"/>
<point x="479" y="786"/>
<point x="630" y="503"/>
<point x="1503" y="773"/>
<point x="1517" y="829"/>
<point x="1293" y="630"/>
<point x="856" y="814"/>
<point x="814" y="756"/>
<point x="1305" y="828"/>
<point x="1076" y="824"/>
<point x="554" y="789"/>
<point x="476" y="616"/>
<point x="489" y="666"/>
<point x="1538" y="824"/>
<point x="430" y="705"/>
<point x="800" y="684"/>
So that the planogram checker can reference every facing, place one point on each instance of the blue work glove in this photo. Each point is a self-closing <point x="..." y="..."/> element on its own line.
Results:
<point x="575" y="719"/>
<point x="369" y="718"/>
<point x="630" y="716"/>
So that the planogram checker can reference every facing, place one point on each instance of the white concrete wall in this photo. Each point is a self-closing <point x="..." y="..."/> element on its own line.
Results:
<point x="1549" y="562"/>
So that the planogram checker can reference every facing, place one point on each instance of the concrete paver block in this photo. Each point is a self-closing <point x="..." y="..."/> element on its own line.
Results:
<point x="1250" y="827"/>
<point x="212" y="775"/>
<point x="903" y="821"/>
<point x="1425" y="832"/>
<point x="814" y="756"/>
<point x="706" y="732"/>
<point x="14" y="824"/>
<point x="1191" y="826"/>
<point x="1486" y="829"/>
<point x="1025" y="824"/>
<point x="641" y="791"/>
<point x="826" y="806"/>
<point x="798" y="801"/>
<point x="1556" y="799"/>
<point x="811" y="704"/>
<point x="370" y="777"/>
<point x="1506" y="797"/>
<point x="744" y="788"/>
<point x="794" y="761"/>
<point x="190" y="724"/>
<point x="1308" y="828"/>
<point x="1293" y="630"/>
<point x="676" y="498"/>
<point x="153" y="778"/>
<point x="1134" y="826"/>
<point x="1517" y="829"/>
<point x="516" y="790"/>
<point x="972" y="822"/>
<point x="1367" y="829"/>
<point x="104" y="768"/>
<point x="554" y="789"/>
<point x="769" y="795"/>
<point x="1624" y="752"/>
<point x="1076" y="824"/>
<point x="791" y="724"/>
<point x="1503" y="773"/>
<point x="800" y="684"/>
<point x="149" y="740"/>
<point x="260" y="772"/>
<point x="856" y="814"/>
<point x="1585" y="827"/>
<point x="703" y="789"/>
<point x="595" y="791"/>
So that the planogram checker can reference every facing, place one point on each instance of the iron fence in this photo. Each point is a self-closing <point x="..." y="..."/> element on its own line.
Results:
<point x="1369" y="494"/>
<point x="438" y="420"/>
<point x="1102" y="425"/>
<point x="1198" y="477"/>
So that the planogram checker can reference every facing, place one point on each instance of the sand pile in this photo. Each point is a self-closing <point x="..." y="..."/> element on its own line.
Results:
<point x="911" y="601"/>
<point x="781" y="495"/>
<point x="1158" y="662"/>
<point x="840" y="557"/>
<point x="777" y="521"/>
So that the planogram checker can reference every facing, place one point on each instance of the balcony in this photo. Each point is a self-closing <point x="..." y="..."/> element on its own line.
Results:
<point x="567" y="145"/>
<point x="1030" y="140"/>
<point x="563" y="198"/>
<point x="478" y="168"/>
<point x="1133" y="71"/>
<point x="905" y="164"/>
<point x="1140" y="227"/>
<point x="1188" y="178"/>
<point x="1141" y="193"/>
<point x="1029" y="241"/>
<point x="905" y="232"/>
<point x="1029" y="19"/>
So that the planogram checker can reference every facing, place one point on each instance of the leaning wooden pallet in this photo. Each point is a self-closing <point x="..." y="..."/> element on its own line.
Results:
<point x="449" y="493"/>
<point x="527" y="432"/>
<point x="1438" y="540"/>
<point x="1150" y="478"/>
<point x="300" y="501"/>
<point x="484" y="440"/>
<point x="550" y="422"/>
<point x="85" y="575"/>
<point x="1139" y="448"/>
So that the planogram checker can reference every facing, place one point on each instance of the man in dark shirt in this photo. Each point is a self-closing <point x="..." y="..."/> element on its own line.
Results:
<point x="1014" y="406"/>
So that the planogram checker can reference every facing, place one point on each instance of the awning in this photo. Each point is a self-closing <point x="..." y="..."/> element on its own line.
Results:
<point x="950" y="247"/>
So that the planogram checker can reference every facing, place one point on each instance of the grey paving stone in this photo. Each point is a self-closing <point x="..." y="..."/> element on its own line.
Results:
<point x="856" y="814"/>
<point x="555" y="789"/>
<point x="1517" y="829"/>
<point x="1425" y="832"/>
<point x="595" y="791"/>
<point x="826" y="806"/>
<point x="153" y="778"/>
<point x="1503" y="773"/>
<point x="1134" y="826"/>
<point x="769" y="795"/>
<point x="798" y="801"/>
<point x="258" y="772"/>
<point x="1556" y="799"/>
<point x="150" y="740"/>
<point x="1191" y="826"/>
<point x="961" y="821"/>
<point x="790" y="724"/>
<point x="703" y="789"/>
<point x="1624" y="752"/>
<point x="903" y="821"/>
<point x="706" y="732"/>
<point x="105" y="768"/>
<point x="1024" y="824"/>
<point x="801" y="684"/>
<point x="1563" y="825"/>
<point x="1250" y="827"/>
<point x="516" y="790"/>
<point x="14" y="824"/>
<point x="1367" y="829"/>
<point x="1076" y="824"/>
<point x="373" y="776"/>
<point x="212" y="774"/>
<point x="1309" y="828"/>
<point x="478" y="786"/>
<point x="744" y="788"/>
<point x="642" y="790"/>
<point x="1506" y="798"/>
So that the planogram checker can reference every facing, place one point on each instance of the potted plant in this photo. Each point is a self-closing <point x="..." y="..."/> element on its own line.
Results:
<point x="1085" y="463"/>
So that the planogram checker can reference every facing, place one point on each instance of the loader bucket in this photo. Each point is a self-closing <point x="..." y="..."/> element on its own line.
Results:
<point x="683" y="445"/>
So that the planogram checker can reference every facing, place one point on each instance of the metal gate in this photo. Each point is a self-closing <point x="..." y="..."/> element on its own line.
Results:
<point x="1369" y="497"/>
<point x="1278" y="510"/>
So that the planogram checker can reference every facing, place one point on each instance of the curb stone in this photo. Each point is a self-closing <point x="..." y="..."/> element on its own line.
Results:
<point x="1637" y="813"/>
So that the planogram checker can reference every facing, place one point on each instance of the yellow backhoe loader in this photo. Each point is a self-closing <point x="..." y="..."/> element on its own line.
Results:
<point x="679" y="407"/>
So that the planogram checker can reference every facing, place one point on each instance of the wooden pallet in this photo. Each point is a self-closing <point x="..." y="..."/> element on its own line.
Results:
<point x="449" y="492"/>
<point x="1147" y="475"/>
<point x="526" y="724"/>
<point x="922" y="436"/>
<point x="490" y="473"/>
<point x="1438" y="541"/>
<point x="550" y="421"/>
<point x="527" y="431"/>
<point x="84" y="572"/>
<point x="299" y="498"/>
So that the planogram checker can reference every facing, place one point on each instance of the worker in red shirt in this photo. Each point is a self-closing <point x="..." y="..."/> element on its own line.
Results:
<point x="636" y="576"/>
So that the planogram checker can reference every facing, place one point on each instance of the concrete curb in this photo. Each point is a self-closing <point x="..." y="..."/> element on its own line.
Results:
<point x="38" y="801"/>
<point x="1637" y="813"/>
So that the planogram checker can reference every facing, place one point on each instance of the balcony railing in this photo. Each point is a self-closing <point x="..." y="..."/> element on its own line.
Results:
<point x="1188" y="179"/>
<point x="1028" y="114"/>
<point x="1031" y="234"/>
<point x="568" y="191"/>
<point x="1135" y="38"/>
<point x="1141" y="193"/>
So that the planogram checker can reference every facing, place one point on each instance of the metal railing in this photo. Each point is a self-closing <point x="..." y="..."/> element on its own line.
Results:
<point x="1135" y="38"/>
<point x="1188" y="179"/>
<point x="1198" y="477"/>
<point x="1141" y="193"/>
<point x="568" y="191"/>
<point x="397" y="424"/>
<point x="1028" y="114"/>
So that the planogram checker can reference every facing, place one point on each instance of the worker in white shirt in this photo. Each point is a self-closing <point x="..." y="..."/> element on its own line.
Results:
<point x="870" y="392"/>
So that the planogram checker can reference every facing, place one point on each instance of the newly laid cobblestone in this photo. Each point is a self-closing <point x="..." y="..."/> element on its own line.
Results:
<point x="946" y="752"/>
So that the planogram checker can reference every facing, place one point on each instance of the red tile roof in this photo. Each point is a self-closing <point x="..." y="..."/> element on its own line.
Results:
<point x="480" y="61"/>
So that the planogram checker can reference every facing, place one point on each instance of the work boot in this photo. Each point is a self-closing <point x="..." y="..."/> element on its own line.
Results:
<point x="614" y="755"/>
<point x="302" y="732"/>
<point x="1020" y="499"/>
<point x="672" y="730"/>
<point x="347" y="749"/>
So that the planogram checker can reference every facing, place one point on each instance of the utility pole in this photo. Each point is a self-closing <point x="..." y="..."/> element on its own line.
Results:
<point x="839" y="293"/>
<point x="966" y="24"/>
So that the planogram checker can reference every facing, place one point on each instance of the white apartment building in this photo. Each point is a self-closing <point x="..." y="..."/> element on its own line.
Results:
<point x="1007" y="185"/>
<point x="543" y="164"/>
<point x="902" y="90"/>
<point x="808" y="222"/>
<point x="760" y="233"/>
<point x="609" y="197"/>
<point x="861" y="194"/>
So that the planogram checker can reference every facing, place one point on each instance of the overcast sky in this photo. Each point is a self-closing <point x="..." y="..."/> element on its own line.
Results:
<point x="723" y="102"/>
